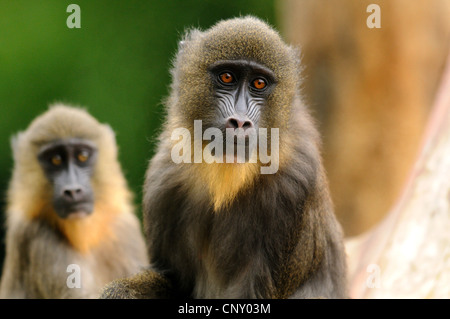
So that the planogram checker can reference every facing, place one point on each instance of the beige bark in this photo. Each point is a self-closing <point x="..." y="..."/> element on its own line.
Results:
<point x="371" y="91"/>
<point x="408" y="254"/>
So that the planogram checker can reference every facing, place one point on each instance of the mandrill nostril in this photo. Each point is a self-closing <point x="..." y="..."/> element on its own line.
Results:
<point x="232" y="123"/>
<point x="73" y="193"/>
<point x="236" y="123"/>
<point x="247" y="124"/>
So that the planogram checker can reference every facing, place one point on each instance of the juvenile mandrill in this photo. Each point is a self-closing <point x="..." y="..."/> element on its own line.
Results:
<point x="70" y="222"/>
<point x="228" y="230"/>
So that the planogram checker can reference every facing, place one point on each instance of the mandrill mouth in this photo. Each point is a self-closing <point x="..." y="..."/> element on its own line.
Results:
<point x="77" y="215"/>
<point x="238" y="148"/>
<point x="75" y="210"/>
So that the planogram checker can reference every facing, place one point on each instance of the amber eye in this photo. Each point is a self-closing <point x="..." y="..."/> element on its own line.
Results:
<point x="226" y="78"/>
<point x="83" y="156"/>
<point x="259" y="84"/>
<point x="56" y="160"/>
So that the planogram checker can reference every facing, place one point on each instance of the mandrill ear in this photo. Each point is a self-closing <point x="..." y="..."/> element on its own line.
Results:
<point x="15" y="142"/>
<point x="109" y="131"/>
<point x="110" y="137"/>
<point x="190" y="35"/>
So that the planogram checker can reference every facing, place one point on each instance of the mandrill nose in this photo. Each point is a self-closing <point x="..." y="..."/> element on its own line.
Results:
<point x="73" y="193"/>
<point x="235" y="122"/>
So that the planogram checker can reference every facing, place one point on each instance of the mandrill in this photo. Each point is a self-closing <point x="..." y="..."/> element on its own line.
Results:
<point x="227" y="228"/>
<point x="70" y="223"/>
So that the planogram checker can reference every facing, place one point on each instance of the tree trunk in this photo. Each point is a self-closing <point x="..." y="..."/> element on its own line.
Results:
<point x="371" y="90"/>
<point x="408" y="254"/>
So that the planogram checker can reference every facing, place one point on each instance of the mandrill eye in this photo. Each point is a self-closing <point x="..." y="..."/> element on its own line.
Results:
<point x="83" y="156"/>
<point x="259" y="84"/>
<point x="226" y="78"/>
<point x="56" y="160"/>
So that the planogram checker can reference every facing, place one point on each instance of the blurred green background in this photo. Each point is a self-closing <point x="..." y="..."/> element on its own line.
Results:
<point x="116" y="65"/>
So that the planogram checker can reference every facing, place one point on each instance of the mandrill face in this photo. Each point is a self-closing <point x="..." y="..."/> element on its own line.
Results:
<point x="68" y="164"/>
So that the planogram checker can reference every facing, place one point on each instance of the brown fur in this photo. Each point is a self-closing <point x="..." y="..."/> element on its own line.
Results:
<point x="225" y="230"/>
<point x="40" y="245"/>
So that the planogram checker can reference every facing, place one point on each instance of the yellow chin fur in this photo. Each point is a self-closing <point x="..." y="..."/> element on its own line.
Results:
<point x="225" y="180"/>
<point x="87" y="232"/>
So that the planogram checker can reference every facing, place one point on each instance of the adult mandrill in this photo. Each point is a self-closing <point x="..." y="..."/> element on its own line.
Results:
<point x="70" y="222"/>
<point x="227" y="230"/>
